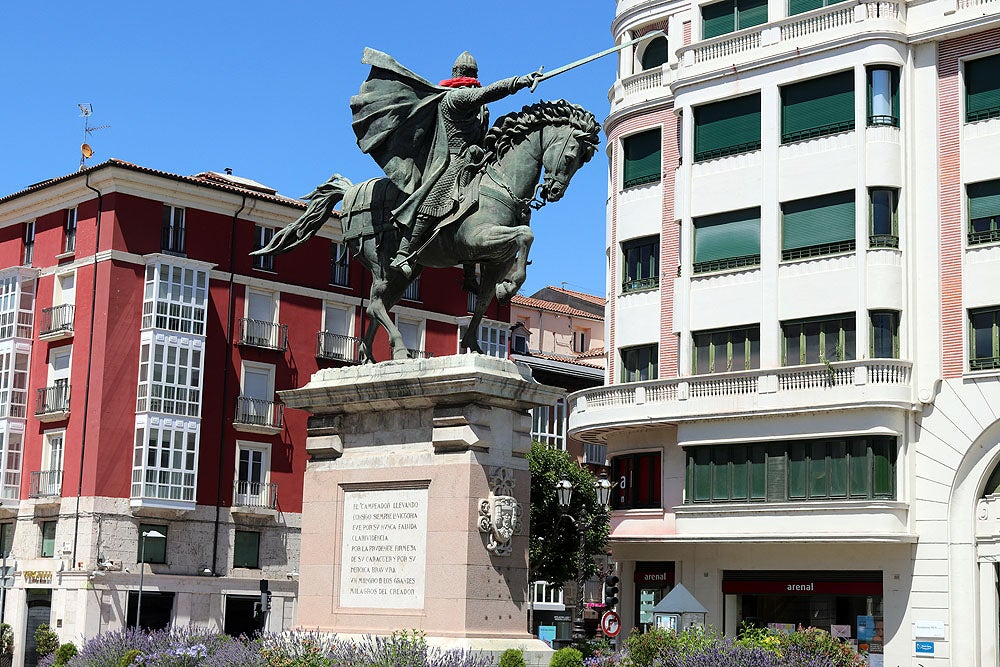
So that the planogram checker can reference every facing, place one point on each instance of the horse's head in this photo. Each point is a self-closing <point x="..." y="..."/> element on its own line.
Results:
<point x="569" y="138"/>
<point x="566" y="146"/>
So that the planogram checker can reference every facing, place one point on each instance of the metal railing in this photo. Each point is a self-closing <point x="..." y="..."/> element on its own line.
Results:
<point x="258" y="333"/>
<point x="338" y="347"/>
<point x="262" y="495"/>
<point x="883" y="241"/>
<point x="57" y="318"/>
<point x="52" y="399"/>
<point x="412" y="291"/>
<point x="818" y="250"/>
<point x="727" y="263"/>
<point x="640" y="284"/>
<point x="172" y="238"/>
<point x="259" y="412"/>
<point x="45" y="484"/>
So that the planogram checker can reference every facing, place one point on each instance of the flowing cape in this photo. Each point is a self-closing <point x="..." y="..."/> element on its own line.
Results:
<point x="396" y="121"/>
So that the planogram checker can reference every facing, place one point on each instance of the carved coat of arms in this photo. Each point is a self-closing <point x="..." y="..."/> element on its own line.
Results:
<point x="500" y="517"/>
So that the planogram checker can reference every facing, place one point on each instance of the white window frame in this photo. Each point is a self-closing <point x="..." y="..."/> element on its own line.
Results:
<point x="164" y="396"/>
<point x="176" y="213"/>
<point x="170" y="486"/>
<point x="273" y="338"/>
<point x="261" y="238"/>
<point x="340" y="262"/>
<point x="175" y="298"/>
<point x="348" y="312"/>
<point x="49" y="449"/>
<point x="273" y="295"/>
<point x="257" y="366"/>
<point x="547" y="596"/>
<point x="69" y="231"/>
<point x="548" y="424"/>
<point x="59" y="291"/>
<point x="421" y="332"/>
<point x="53" y="374"/>
<point x="13" y="458"/>
<point x="265" y="449"/>
<point x="29" y="242"/>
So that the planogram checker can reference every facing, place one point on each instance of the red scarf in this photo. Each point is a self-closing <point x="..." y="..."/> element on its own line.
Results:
<point x="460" y="82"/>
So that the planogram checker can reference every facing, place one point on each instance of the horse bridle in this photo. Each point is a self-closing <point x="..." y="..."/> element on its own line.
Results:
<point x="537" y="199"/>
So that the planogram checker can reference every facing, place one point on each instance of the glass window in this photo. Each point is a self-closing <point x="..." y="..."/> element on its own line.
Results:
<point x="172" y="236"/>
<point x="819" y="340"/>
<point x="727" y="128"/>
<point x="883" y="95"/>
<point x="164" y="464"/>
<point x="636" y="479"/>
<point x="884" y="334"/>
<point x="261" y="237"/>
<point x="176" y="299"/>
<point x="641" y="264"/>
<point x="855" y="467"/>
<point x="69" y="236"/>
<point x="883" y="231"/>
<point x="246" y="549"/>
<point x="340" y="258"/>
<point x="639" y="363"/>
<point x="727" y="240"/>
<point x="726" y="350"/>
<point x="720" y="18"/>
<point x="984" y="212"/>
<point x="548" y="424"/>
<point x="817" y="107"/>
<point x="984" y="339"/>
<point x="29" y="242"/>
<point x="816" y="226"/>
<point x="170" y="376"/>
<point x="642" y="161"/>
<point x="48" y="549"/>
<point x="655" y="53"/>
<point x="155" y="549"/>
<point x="6" y="539"/>
<point x="982" y="88"/>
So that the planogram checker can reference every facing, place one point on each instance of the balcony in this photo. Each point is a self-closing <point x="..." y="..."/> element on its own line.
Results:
<point x="57" y="322"/>
<point x="45" y="484"/>
<point x="594" y="413"/>
<point x="256" y="415"/>
<point x="254" y="497"/>
<point x="52" y="403"/>
<point x="266" y="335"/>
<point x="338" y="347"/>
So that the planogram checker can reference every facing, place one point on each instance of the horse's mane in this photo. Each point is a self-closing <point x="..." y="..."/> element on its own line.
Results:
<point x="513" y="128"/>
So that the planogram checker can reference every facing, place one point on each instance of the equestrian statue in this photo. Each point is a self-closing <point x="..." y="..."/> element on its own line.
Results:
<point x="456" y="191"/>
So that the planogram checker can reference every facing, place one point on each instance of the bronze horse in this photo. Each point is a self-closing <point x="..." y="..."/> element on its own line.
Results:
<point x="493" y="232"/>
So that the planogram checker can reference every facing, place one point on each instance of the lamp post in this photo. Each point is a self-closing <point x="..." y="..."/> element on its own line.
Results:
<point x="564" y="493"/>
<point x="142" y="569"/>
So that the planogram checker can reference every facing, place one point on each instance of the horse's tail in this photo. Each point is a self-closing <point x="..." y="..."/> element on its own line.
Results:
<point x="321" y="203"/>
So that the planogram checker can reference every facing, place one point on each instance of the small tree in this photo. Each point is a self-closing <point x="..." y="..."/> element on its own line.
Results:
<point x="512" y="657"/>
<point x="46" y="640"/>
<point x="554" y="547"/>
<point x="6" y="639"/>
<point x="65" y="653"/>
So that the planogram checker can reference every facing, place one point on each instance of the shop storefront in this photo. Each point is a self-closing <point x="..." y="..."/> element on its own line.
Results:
<point x="653" y="580"/>
<point x="846" y="604"/>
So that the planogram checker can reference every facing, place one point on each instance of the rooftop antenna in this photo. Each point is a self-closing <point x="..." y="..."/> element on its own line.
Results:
<point x="86" y="111"/>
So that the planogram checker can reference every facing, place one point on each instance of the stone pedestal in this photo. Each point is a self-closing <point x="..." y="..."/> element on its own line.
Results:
<point x="410" y="462"/>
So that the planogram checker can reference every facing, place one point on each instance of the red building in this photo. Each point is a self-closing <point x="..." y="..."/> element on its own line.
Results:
<point x="141" y="347"/>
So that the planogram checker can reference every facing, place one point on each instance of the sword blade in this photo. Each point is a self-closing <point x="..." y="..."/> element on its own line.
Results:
<point x="595" y="56"/>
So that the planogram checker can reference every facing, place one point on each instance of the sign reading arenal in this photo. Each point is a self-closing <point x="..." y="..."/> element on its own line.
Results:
<point x="384" y="559"/>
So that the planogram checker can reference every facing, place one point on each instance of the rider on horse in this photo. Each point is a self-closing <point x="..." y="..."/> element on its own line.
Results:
<point x="441" y="136"/>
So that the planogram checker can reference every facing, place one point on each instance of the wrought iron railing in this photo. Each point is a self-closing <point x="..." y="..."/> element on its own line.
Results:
<point x="57" y="319"/>
<point x="883" y="241"/>
<point x="259" y="333"/>
<point x="262" y="495"/>
<point x="640" y="284"/>
<point x="259" y="412"/>
<point x="338" y="347"/>
<point x="818" y="250"/>
<point x="172" y="238"/>
<point x="727" y="263"/>
<point x="45" y="484"/>
<point x="52" y="399"/>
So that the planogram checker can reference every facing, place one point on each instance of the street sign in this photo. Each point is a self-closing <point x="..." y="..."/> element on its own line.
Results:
<point x="611" y="623"/>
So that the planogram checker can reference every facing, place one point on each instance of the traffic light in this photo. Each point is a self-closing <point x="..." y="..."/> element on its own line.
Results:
<point x="611" y="590"/>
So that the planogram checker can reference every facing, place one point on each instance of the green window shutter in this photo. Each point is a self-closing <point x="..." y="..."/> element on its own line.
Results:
<point x="750" y="13"/>
<point x="882" y="467"/>
<point x="642" y="158"/>
<point x="702" y="474"/>
<point x="246" y="549"/>
<point x="984" y="199"/>
<point x="718" y="19"/>
<point x="655" y="53"/>
<point x="797" y="470"/>
<point x="982" y="88"/>
<point x="859" y="469"/>
<point x="727" y="127"/>
<point x="777" y="474"/>
<point x="819" y="480"/>
<point x="817" y="107"/>
<point x="818" y="220"/>
<point x="727" y="235"/>
<point x="758" y="472"/>
<point x="739" y="467"/>
<point x="800" y="6"/>
<point x="838" y="469"/>
<point x="720" y="473"/>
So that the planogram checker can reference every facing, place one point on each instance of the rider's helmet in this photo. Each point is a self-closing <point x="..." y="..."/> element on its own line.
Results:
<point x="465" y="65"/>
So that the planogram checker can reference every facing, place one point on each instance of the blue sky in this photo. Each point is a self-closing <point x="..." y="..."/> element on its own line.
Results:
<point x="263" y="87"/>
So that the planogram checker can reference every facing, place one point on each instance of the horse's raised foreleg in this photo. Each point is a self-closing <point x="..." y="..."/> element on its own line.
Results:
<point x="520" y="239"/>
<point x="490" y="275"/>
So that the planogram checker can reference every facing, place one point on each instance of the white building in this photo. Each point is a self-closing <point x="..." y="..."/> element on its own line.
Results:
<point x="802" y="325"/>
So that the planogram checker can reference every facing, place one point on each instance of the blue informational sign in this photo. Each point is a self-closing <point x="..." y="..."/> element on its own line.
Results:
<point x="924" y="648"/>
<point x="866" y="628"/>
<point x="547" y="633"/>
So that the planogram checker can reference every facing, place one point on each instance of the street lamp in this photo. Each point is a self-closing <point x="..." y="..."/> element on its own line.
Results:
<point x="142" y="570"/>
<point x="564" y="492"/>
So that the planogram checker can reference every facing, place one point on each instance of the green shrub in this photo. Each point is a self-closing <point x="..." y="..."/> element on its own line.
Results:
<point x="46" y="640"/>
<point x="6" y="639"/>
<point x="821" y="642"/>
<point x="129" y="657"/>
<point x="65" y="653"/>
<point x="566" y="657"/>
<point x="512" y="657"/>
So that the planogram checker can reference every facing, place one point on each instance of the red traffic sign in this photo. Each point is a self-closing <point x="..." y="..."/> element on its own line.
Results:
<point x="611" y="623"/>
